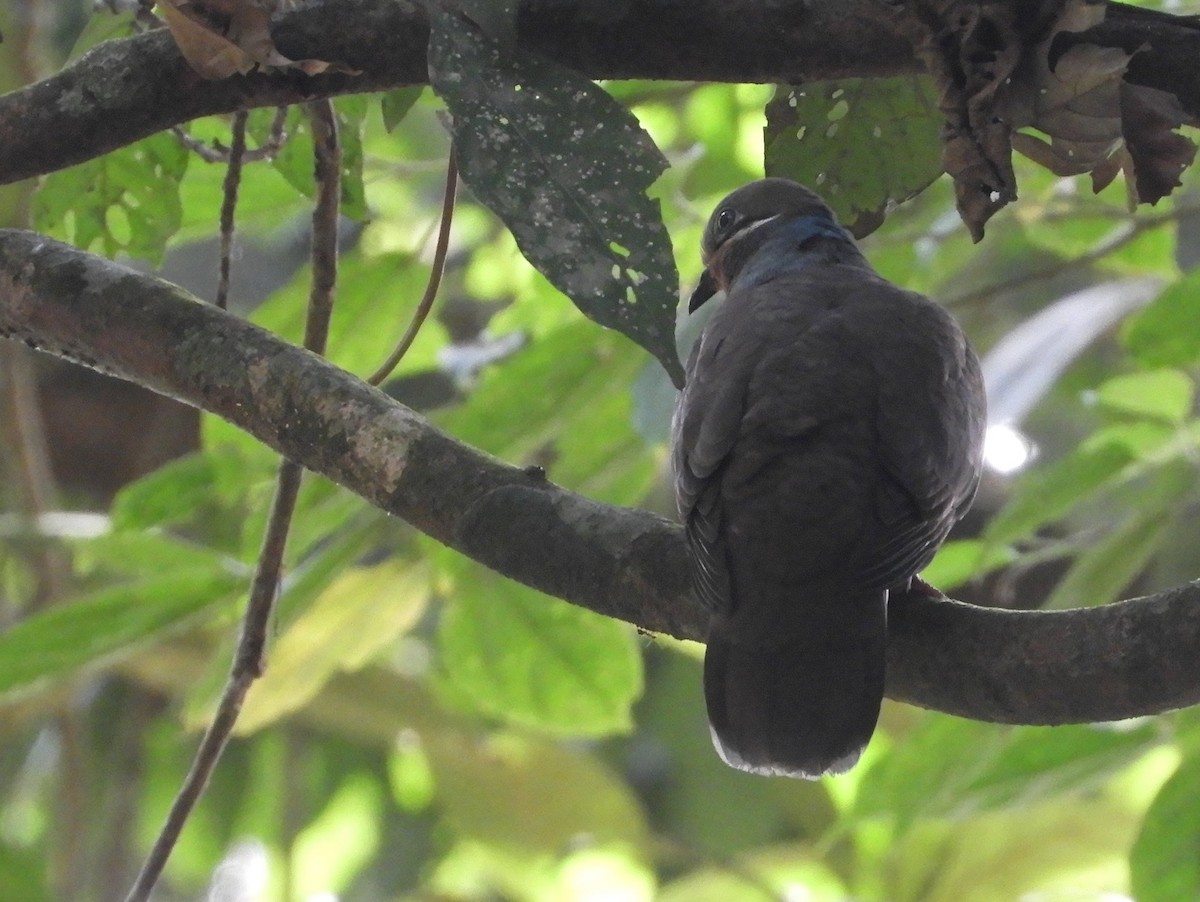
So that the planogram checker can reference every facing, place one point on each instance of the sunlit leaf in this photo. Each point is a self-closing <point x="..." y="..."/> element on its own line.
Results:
<point x="578" y="424"/>
<point x="99" y="627"/>
<point x="766" y="875"/>
<point x="863" y="143"/>
<point x="1160" y="394"/>
<point x="1098" y="575"/>
<point x="962" y="559"/>
<point x="337" y="546"/>
<point x="1163" y="864"/>
<point x="376" y="298"/>
<point x="531" y="796"/>
<point x="104" y="24"/>
<point x="410" y="774"/>
<point x="151" y="552"/>
<point x="204" y="493"/>
<point x="1167" y="333"/>
<point x="949" y="767"/>
<point x="1060" y="849"/>
<point x="330" y="851"/>
<point x="566" y="168"/>
<point x="360" y="613"/>
<point x="522" y="657"/>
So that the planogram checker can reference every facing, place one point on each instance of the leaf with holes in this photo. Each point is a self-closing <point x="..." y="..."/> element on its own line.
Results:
<point x="127" y="201"/>
<point x="863" y="143"/>
<point x="566" y="168"/>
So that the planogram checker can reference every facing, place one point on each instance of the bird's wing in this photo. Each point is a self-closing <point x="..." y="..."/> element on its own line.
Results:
<point x="929" y="427"/>
<point x="704" y="430"/>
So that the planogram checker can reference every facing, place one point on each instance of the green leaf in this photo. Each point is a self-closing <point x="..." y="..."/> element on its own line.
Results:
<point x="530" y="796"/>
<point x="949" y="767"/>
<point x="1046" y="494"/>
<point x="766" y="875"/>
<point x="395" y="104"/>
<point x="963" y="559"/>
<point x="1164" y="394"/>
<point x="1109" y="564"/>
<point x="1164" y="865"/>
<point x="196" y="488"/>
<point x="268" y="205"/>
<point x="578" y="422"/>
<point x="515" y="654"/>
<point x="863" y="143"/>
<point x="103" y="24"/>
<point x="376" y="298"/>
<point x="295" y="158"/>
<point x="361" y="612"/>
<point x="337" y="544"/>
<point x="332" y="849"/>
<point x="23" y="871"/>
<point x="126" y="201"/>
<point x="104" y="625"/>
<point x="566" y="168"/>
<point x="1167" y="333"/>
<point x="150" y="552"/>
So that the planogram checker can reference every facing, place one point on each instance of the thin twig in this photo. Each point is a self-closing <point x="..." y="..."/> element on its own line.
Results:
<point x="233" y="181"/>
<point x="209" y="153"/>
<point x="216" y="152"/>
<point x="328" y="170"/>
<point x="248" y="660"/>
<point x="435" y="277"/>
<point x="1136" y="228"/>
<point x="275" y="139"/>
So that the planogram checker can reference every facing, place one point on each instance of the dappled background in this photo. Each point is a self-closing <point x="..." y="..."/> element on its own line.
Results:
<point x="429" y="730"/>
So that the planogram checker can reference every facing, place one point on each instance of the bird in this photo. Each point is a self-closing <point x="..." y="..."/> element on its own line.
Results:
<point x="828" y="436"/>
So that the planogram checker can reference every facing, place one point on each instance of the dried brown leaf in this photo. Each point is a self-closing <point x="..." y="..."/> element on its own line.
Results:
<point x="972" y="50"/>
<point x="220" y="38"/>
<point x="1157" y="154"/>
<point x="209" y="53"/>
<point x="998" y="71"/>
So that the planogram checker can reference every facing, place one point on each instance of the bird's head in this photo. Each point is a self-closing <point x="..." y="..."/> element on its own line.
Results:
<point x="747" y="218"/>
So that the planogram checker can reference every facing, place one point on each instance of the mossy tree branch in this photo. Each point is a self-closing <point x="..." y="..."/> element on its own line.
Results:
<point x="1122" y="660"/>
<point x="128" y="89"/>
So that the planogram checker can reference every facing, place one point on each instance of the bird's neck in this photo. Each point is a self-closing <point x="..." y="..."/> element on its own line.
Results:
<point x="790" y="245"/>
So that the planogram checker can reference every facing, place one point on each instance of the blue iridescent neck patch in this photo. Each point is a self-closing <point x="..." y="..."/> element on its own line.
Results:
<point x="783" y="250"/>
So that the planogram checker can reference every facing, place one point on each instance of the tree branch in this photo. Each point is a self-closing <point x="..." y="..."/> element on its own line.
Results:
<point x="1122" y="660"/>
<point x="128" y="89"/>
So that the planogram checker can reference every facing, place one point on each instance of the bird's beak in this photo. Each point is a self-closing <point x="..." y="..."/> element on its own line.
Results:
<point x="705" y="289"/>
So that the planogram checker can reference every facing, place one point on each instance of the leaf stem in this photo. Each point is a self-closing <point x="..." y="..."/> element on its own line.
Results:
<point x="435" y="276"/>
<point x="233" y="181"/>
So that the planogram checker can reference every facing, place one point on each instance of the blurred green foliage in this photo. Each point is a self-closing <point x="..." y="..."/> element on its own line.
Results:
<point x="425" y="728"/>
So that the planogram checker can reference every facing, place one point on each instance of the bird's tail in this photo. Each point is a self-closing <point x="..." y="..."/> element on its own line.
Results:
<point x="799" y="698"/>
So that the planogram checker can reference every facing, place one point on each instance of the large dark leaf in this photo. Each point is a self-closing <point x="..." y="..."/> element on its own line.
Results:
<point x="566" y="168"/>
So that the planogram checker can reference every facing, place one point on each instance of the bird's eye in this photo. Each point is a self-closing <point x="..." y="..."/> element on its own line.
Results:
<point x="725" y="219"/>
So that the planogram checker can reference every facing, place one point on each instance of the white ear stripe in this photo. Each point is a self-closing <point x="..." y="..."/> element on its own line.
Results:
<point x="746" y="230"/>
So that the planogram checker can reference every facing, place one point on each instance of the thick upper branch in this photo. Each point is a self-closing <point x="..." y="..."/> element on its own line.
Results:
<point x="1122" y="660"/>
<point x="125" y="90"/>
